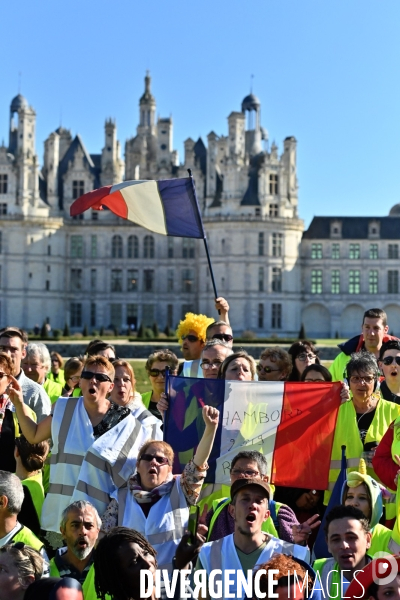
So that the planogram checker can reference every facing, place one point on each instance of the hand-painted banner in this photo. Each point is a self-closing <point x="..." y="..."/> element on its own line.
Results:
<point x="292" y="424"/>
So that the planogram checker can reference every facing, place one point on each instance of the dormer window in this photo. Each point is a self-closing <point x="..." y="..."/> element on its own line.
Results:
<point x="336" y="229"/>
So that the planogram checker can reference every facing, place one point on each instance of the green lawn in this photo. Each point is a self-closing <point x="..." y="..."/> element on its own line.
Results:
<point x="142" y="379"/>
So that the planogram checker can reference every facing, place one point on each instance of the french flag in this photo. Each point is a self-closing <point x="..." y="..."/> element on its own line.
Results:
<point x="167" y="206"/>
<point x="292" y="424"/>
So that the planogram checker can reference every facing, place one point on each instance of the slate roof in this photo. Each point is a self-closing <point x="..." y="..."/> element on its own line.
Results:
<point x="353" y="228"/>
<point x="92" y="161"/>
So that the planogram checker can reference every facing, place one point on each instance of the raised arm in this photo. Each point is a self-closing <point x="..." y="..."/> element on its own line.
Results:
<point x="34" y="432"/>
<point x="222" y="305"/>
<point x="211" y="417"/>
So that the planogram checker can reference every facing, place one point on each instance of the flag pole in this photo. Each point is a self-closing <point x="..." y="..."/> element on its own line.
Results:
<point x="204" y="240"/>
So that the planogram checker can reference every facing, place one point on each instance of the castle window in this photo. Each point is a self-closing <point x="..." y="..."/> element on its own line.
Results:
<point x="170" y="247"/>
<point x="373" y="281"/>
<point x="76" y="246"/>
<point x="163" y="147"/>
<point x="93" y="246"/>
<point x="188" y="248"/>
<point x="277" y="243"/>
<point x="316" y="250"/>
<point x="148" y="245"/>
<point x="260" y="316"/>
<point x="92" y="314"/>
<point x="260" y="244"/>
<point x="276" y="279"/>
<point x="76" y="314"/>
<point x="354" y="282"/>
<point x="78" y="188"/>
<point x="316" y="281"/>
<point x="76" y="280"/>
<point x="273" y="210"/>
<point x="3" y="183"/>
<point x="335" y="251"/>
<point x="187" y="280"/>
<point x="3" y="208"/>
<point x="276" y="316"/>
<point x="335" y="281"/>
<point x="116" y="280"/>
<point x="133" y="246"/>
<point x="170" y="280"/>
<point x="261" y="279"/>
<point x="393" y="251"/>
<point x="273" y="184"/>
<point x="393" y="282"/>
<point x="354" y="252"/>
<point x="148" y="280"/>
<point x="132" y="280"/>
<point x="373" y="251"/>
<point x="116" y="246"/>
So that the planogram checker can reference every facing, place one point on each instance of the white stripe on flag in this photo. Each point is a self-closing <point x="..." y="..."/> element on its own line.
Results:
<point x="144" y="204"/>
<point x="249" y="422"/>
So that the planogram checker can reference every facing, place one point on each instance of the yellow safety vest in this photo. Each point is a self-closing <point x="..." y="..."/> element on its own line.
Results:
<point x="347" y="434"/>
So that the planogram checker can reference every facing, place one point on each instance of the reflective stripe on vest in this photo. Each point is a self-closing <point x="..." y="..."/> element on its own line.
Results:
<point x="165" y="524"/>
<point x="192" y="368"/>
<point x="347" y="434"/>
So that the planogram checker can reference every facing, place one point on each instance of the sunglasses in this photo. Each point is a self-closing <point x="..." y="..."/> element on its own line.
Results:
<point x="157" y="372"/>
<point x="190" y="338"/>
<point x="100" y="377"/>
<point x="226" y="337"/>
<point x="3" y="375"/>
<point x="389" y="359"/>
<point x="267" y="370"/>
<point x="160" y="460"/>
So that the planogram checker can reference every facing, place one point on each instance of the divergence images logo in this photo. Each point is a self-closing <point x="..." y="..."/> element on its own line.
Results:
<point x="384" y="568"/>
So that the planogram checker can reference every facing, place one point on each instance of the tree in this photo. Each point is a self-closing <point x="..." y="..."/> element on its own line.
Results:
<point x="140" y="332"/>
<point x="44" y="334"/>
<point x="156" y="331"/>
<point x="302" y="333"/>
<point x="85" y="331"/>
<point x="66" y="332"/>
<point x="167" y="331"/>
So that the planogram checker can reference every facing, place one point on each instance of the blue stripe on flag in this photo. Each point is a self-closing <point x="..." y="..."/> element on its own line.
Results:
<point x="182" y="214"/>
<point x="184" y="429"/>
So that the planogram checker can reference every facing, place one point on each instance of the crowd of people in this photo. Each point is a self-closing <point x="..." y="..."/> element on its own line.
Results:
<point x="89" y="500"/>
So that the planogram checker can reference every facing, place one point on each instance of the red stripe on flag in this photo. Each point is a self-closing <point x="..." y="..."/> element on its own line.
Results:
<point x="92" y="199"/>
<point x="117" y="204"/>
<point x="304" y="437"/>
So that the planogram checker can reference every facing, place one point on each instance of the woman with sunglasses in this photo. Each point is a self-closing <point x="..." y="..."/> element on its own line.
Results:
<point x="362" y="422"/>
<point x="274" y="364"/>
<point x="124" y="394"/>
<point x="156" y="502"/>
<point x="155" y="366"/>
<point x="389" y="363"/>
<point x="95" y="444"/>
<point x="303" y="354"/>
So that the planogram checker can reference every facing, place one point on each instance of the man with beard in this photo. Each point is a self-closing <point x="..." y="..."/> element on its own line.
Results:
<point x="80" y="526"/>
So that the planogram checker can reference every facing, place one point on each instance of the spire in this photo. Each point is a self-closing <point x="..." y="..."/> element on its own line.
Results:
<point x="147" y="97"/>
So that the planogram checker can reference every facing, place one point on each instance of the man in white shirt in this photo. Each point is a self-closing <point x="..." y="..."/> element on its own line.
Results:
<point x="248" y="546"/>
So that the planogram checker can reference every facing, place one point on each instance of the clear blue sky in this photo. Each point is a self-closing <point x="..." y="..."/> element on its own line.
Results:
<point x="325" y="71"/>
